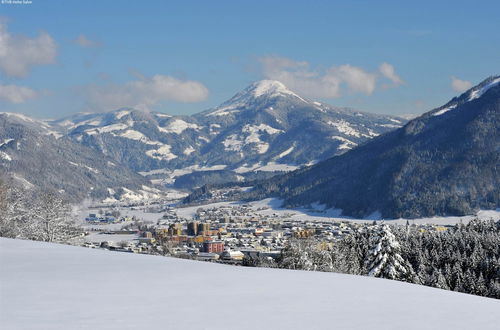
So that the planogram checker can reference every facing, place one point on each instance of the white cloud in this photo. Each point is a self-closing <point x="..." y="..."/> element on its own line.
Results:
<point x="16" y="94"/>
<point x="18" y="53"/>
<point x="299" y="76"/>
<point x="146" y="92"/>
<point x="356" y="78"/>
<point x="388" y="71"/>
<point x="459" y="85"/>
<point x="85" y="42"/>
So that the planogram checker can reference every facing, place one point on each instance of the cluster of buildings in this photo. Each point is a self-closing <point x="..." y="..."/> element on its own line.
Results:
<point x="96" y="219"/>
<point x="106" y="218"/>
<point x="229" y="233"/>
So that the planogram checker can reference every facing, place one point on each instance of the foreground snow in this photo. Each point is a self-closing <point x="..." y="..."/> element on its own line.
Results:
<point x="48" y="286"/>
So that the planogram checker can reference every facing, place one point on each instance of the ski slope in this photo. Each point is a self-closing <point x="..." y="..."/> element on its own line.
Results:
<point x="49" y="286"/>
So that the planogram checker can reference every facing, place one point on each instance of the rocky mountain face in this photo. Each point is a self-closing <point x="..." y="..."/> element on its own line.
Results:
<point x="445" y="162"/>
<point x="265" y="127"/>
<point x="34" y="155"/>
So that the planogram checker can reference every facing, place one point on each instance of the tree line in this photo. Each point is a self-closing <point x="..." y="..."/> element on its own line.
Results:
<point x="464" y="258"/>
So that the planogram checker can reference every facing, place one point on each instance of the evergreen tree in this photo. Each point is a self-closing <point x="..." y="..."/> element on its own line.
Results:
<point x="384" y="259"/>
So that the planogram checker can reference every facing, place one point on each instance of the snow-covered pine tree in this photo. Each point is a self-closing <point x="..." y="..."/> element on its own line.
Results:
<point x="306" y="254"/>
<point x="384" y="258"/>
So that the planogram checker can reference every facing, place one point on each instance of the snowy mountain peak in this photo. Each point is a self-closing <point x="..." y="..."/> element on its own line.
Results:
<point x="269" y="88"/>
<point x="257" y="92"/>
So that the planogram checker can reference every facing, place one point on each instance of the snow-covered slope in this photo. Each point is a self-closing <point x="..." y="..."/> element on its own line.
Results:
<point x="470" y="95"/>
<point x="33" y="154"/>
<point x="47" y="286"/>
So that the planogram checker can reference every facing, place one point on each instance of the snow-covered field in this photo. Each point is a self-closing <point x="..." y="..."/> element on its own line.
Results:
<point x="319" y="213"/>
<point x="273" y="206"/>
<point x="49" y="286"/>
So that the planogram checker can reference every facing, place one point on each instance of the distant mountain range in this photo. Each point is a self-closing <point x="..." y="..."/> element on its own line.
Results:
<point x="445" y="162"/>
<point x="32" y="154"/>
<point x="265" y="127"/>
<point x="262" y="129"/>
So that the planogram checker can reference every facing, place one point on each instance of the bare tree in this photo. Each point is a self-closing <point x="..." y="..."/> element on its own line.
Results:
<point x="14" y="210"/>
<point x="52" y="219"/>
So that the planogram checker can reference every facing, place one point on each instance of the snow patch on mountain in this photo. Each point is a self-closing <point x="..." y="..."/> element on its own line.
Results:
<point x="477" y="93"/>
<point x="346" y="144"/>
<point x="204" y="139"/>
<point x="162" y="153"/>
<point x="269" y="167"/>
<point x="121" y="113"/>
<point x="189" y="150"/>
<point x="22" y="117"/>
<point x="224" y="111"/>
<point x="272" y="167"/>
<point x="178" y="126"/>
<point x="343" y="127"/>
<point x="262" y="147"/>
<point x="246" y="168"/>
<point x="170" y="175"/>
<point x="5" y="156"/>
<point x="261" y="127"/>
<point x="162" y="115"/>
<point x="89" y="122"/>
<point x="91" y="169"/>
<point x="106" y="129"/>
<point x="138" y="136"/>
<point x="389" y="125"/>
<point x="151" y="189"/>
<point x="214" y="129"/>
<point x="444" y="110"/>
<point x="5" y="142"/>
<point x="371" y="133"/>
<point x="232" y="143"/>
<point x="286" y="152"/>
<point x="254" y="134"/>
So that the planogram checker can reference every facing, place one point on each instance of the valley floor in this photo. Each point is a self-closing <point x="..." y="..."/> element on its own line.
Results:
<point x="271" y="206"/>
<point x="49" y="286"/>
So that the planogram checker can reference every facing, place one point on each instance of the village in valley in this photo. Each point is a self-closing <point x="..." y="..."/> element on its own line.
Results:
<point x="226" y="232"/>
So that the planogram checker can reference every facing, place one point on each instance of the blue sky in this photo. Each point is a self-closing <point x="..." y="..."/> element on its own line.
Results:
<point x="182" y="57"/>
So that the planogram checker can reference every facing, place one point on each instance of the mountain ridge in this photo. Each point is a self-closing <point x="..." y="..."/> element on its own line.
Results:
<point x="440" y="163"/>
<point x="35" y="156"/>
<point x="264" y="126"/>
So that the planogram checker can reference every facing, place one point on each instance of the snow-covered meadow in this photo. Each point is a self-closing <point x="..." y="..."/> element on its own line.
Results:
<point x="49" y="286"/>
<point x="272" y="206"/>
